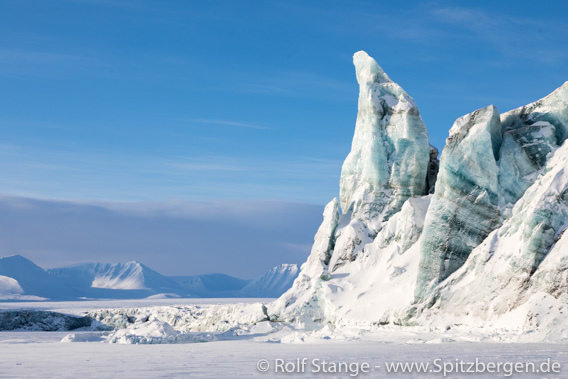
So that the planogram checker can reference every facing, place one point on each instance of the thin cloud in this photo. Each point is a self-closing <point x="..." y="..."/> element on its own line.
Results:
<point x="102" y="174"/>
<point x="115" y="4"/>
<point x="433" y="24"/>
<point x="207" y="166"/>
<point x="230" y="123"/>
<point x="175" y="238"/>
<point x="292" y="167"/>
<point x="38" y="56"/>
<point x="297" y="84"/>
<point x="8" y="149"/>
<point x="511" y="35"/>
<point x="42" y="63"/>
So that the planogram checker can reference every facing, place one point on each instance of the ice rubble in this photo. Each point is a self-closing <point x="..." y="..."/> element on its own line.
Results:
<point x="480" y="255"/>
<point x="180" y="324"/>
<point x="37" y="320"/>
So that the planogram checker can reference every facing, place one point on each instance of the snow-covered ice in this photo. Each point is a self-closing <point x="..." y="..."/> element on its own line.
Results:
<point x="239" y="359"/>
<point x="237" y="353"/>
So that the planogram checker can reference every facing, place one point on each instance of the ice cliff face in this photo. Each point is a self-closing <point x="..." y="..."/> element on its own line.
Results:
<point x="530" y="134"/>
<point x="521" y="267"/>
<point x="489" y="162"/>
<point x="464" y="208"/>
<point x="389" y="157"/>
<point x="486" y="247"/>
<point x="390" y="162"/>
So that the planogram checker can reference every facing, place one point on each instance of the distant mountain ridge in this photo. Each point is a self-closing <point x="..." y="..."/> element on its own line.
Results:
<point x="212" y="285"/>
<point x="21" y="279"/>
<point x="34" y="280"/>
<point x="274" y="283"/>
<point x="116" y="276"/>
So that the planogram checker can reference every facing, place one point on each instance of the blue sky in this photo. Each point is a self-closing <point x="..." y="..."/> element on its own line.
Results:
<point x="240" y="101"/>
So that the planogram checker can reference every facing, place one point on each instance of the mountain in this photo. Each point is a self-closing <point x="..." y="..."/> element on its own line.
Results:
<point x="10" y="286"/>
<point x="34" y="280"/>
<point x="21" y="279"/>
<point x="213" y="285"/>
<point x="272" y="284"/>
<point x="476" y="238"/>
<point x="118" y="280"/>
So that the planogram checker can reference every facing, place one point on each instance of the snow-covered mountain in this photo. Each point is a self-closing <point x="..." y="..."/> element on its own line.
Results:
<point x="214" y="285"/>
<point x="272" y="284"/>
<point x="480" y="242"/>
<point x="32" y="279"/>
<point x="21" y="279"/>
<point x="10" y="288"/>
<point x="118" y="280"/>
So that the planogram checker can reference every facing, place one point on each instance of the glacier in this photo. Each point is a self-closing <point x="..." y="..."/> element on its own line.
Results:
<point x="388" y="162"/>
<point x="390" y="150"/>
<point x="464" y="208"/>
<point x="369" y="249"/>
<point x="475" y="239"/>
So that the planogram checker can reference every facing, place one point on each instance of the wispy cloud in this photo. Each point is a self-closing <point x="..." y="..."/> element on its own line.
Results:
<point x="295" y="84"/>
<point x="529" y="38"/>
<point x="230" y="123"/>
<point x="131" y="5"/>
<point x="435" y="25"/>
<point x="38" y="56"/>
<point x="287" y="167"/>
<point x="105" y="174"/>
<point x="207" y="166"/>
<point x="8" y="149"/>
<point x="43" y="63"/>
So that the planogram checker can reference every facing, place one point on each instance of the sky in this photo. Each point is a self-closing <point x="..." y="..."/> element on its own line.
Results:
<point x="138" y="107"/>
